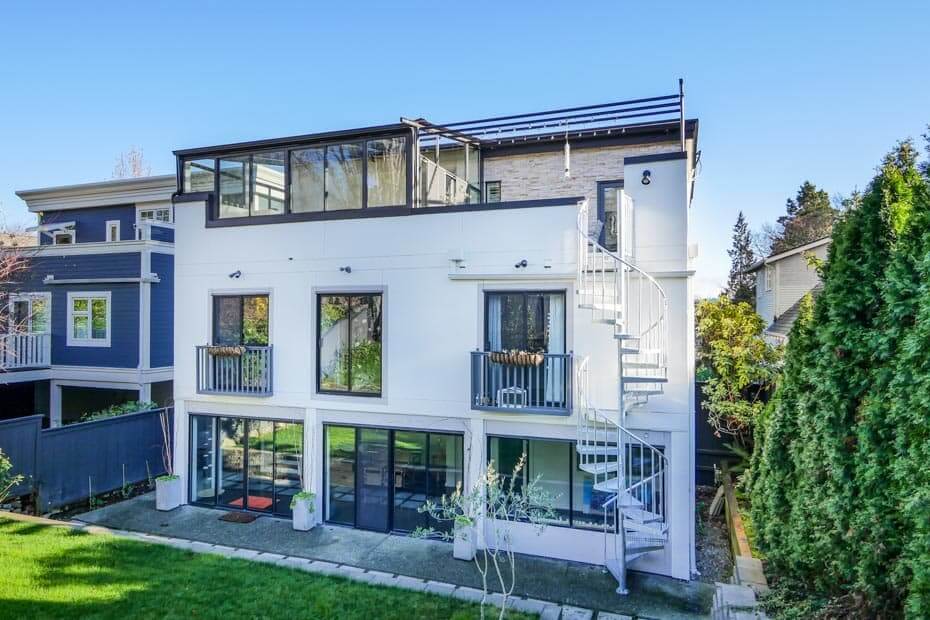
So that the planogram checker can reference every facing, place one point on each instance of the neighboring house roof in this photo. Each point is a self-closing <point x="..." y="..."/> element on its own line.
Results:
<point x="782" y="325"/>
<point x="807" y="247"/>
<point x="17" y="240"/>
<point x="104" y="193"/>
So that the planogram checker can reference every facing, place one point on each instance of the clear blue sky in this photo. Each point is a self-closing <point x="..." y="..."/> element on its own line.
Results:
<point x="785" y="91"/>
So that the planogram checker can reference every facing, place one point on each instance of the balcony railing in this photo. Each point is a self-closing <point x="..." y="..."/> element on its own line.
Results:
<point x="240" y="370"/>
<point x="19" y="351"/>
<point x="522" y="385"/>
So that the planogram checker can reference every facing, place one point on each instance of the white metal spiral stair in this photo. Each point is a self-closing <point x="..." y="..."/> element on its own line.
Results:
<point x="628" y="471"/>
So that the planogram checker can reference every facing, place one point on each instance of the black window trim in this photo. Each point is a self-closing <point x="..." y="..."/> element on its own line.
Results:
<point x="487" y="299"/>
<point x="319" y="315"/>
<point x="392" y="430"/>
<point x="241" y="296"/>
<point x="409" y="138"/>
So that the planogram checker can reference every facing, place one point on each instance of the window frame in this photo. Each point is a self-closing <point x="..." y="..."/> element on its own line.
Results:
<point x="140" y="209"/>
<point x="486" y="341"/>
<point x="70" y="339"/>
<point x="241" y="295"/>
<point x="768" y="275"/>
<point x="574" y="464"/>
<point x="487" y="192"/>
<point x="70" y="233"/>
<point x="410" y="154"/>
<point x="319" y="295"/>
<point x="111" y="226"/>
<point x="29" y="297"/>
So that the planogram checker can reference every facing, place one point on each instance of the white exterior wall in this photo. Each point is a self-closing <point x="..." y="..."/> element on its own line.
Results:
<point x="432" y="320"/>
<point x="792" y="278"/>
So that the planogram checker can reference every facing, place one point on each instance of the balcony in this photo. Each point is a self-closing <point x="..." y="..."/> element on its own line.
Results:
<point x="22" y="351"/>
<point x="537" y="383"/>
<point x="237" y="370"/>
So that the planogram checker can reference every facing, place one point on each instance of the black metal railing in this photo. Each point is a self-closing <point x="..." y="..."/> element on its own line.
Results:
<point x="522" y="385"/>
<point x="242" y="370"/>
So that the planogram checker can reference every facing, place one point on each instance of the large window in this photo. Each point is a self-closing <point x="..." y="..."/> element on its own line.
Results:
<point x="379" y="478"/>
<point x="240" y="320"/>
<point x="525" y="320"/>
<point x="252" y="185"/>
<point x="349" y="344"/>
<point x="245" y="463"/>
<point x="88" y="319"/>
<point x="337" y="177"/>
<point x="555" y="462"/>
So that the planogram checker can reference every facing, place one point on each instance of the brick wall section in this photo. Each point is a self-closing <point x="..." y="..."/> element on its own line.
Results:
<point x="542" y="175"/>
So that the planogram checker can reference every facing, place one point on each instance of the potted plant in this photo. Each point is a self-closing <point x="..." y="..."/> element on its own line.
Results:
<point x="304" y="505"/>
<point x="168" y="485"/>
<point x="464" y="543"/>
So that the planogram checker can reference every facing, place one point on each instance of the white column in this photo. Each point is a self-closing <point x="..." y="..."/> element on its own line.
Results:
<point x="313" y="459"/>
<point x="54" y="404"/>
<point x="680" y="516"/>
<point x="145" y="391"/>
<point x="145" y="310"/>
<point x="475" y="463"/>
<point x="181" y="449"/>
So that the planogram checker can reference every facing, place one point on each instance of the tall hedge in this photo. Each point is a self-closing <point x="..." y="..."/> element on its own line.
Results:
<point x="836" y="435"/>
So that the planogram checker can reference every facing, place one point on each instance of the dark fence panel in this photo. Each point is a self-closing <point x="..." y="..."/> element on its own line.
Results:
<point x="710" y="449"/>
<point x="19" y="439"/>
<point x="69" y="463"/>
<point x="95" y="457"/>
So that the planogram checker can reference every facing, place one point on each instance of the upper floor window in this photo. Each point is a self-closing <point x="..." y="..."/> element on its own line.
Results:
<point x="199" y="175"/>
<point x="112" y="230"/>
<point x="29" y="313"/>
<point x="768" y="275"/>
<point x="349" y="344"/>
<point x="63" y="237"/>
<point x="252" y="185"/>
<point x="492" y="191"/>
<point x="240" y="320"/>
<point x="161" y="214"/>
<point x="525" y="320"/>
<point x="89" y="319"/>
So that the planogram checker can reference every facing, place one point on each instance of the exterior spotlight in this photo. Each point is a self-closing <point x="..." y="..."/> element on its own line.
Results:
<point x="522" y="263"/>
<point x="236" y="274"/>
<point x="647" y="177"/>
<point x="346" y="269"/>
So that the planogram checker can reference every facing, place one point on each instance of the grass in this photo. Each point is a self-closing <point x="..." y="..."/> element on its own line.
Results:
<point x="55" y="572"/>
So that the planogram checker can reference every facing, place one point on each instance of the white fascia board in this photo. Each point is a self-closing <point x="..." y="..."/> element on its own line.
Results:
<point x="105" y="193"/>
<point x="105" y="374"/>
<point x="774" y="258"/>
<point x="99" y="247"/>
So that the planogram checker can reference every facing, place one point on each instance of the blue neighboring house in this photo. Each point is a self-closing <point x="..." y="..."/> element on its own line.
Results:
<point x="89" y="322"/>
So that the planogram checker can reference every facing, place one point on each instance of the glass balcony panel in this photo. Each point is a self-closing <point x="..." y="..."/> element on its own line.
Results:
<point x="387" y="172"/>
<point x="343" y="177"/>
<point x="308" y="168"/>
<point x="234" y="187"/>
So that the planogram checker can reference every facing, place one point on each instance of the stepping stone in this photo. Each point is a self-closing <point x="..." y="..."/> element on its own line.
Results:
<point x="436" y="587"/>
<point x="576" y="613"/>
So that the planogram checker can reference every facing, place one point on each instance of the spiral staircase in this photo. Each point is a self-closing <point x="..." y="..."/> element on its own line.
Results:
<point x="629" y="472"/>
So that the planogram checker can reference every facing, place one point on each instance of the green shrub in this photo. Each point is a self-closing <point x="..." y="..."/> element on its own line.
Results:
<point x="112" y="411"/>
<point x="840" y="484"/>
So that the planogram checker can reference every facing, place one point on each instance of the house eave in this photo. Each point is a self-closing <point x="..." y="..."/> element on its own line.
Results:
<point x="99" y="194"/>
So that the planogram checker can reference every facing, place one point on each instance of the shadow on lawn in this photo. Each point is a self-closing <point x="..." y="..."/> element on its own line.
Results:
<point x="85" y="575"/>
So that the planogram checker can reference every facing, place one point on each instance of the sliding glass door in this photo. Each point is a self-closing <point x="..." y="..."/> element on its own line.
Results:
<point x="379" y="478"/>
<point x="245" y="464"/>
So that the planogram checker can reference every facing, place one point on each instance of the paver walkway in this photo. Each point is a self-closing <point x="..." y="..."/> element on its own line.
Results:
<point x="386" y="556"/>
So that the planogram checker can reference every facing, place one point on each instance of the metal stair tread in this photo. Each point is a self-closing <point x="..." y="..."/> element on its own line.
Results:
<point x="603" y="467"/>
<point x="635" y="379"/>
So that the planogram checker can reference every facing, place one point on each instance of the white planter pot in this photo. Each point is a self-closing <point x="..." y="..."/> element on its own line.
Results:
<point x="167" y="494"/>
<point x="303" y="519"/>
<point x="464" y="545"/>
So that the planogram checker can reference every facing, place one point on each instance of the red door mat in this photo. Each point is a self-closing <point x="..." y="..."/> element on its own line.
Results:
<point x="256" y="502"/>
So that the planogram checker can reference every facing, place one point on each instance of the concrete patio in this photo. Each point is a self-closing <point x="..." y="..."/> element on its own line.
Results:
<point x="566" y="583"/>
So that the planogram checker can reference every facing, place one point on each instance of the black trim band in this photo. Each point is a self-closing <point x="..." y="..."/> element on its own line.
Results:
<point x="645" y="159"/>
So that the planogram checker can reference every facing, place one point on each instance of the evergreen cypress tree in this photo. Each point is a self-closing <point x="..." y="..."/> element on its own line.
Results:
<point x="741" y="285"/>
<point x="808" y="216"/>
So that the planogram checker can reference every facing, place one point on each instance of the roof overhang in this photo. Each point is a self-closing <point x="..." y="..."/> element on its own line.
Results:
<point x="813" y="245"/>
<point x="104" y="193"/>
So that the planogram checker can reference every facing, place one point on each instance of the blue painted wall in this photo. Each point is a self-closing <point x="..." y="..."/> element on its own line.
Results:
<point x="122" y="265"/>
<point x="162" y="323"/>
<point x="123" y="351"/>
<point x="91" y="224"/>
<point x="160" y="233"/>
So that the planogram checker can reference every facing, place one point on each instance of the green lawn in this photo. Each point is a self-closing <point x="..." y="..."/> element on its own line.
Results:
<point x="56" y="572"/>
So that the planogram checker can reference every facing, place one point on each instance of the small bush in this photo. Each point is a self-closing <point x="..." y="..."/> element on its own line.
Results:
<point x="112" y="411"/>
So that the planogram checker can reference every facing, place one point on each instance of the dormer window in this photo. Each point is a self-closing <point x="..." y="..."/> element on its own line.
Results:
<point x="63" y="237"/>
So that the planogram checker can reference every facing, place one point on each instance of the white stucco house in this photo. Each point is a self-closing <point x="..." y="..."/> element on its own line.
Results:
<point x="347" y="305"/>
<point x="782" y="279"/>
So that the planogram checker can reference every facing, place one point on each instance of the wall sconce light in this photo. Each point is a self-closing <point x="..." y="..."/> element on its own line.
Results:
<point x="522" y="263"/>
<point x="647" y="177"/>
<point x="346" y="269"/>
<point x="236" y="274"/>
